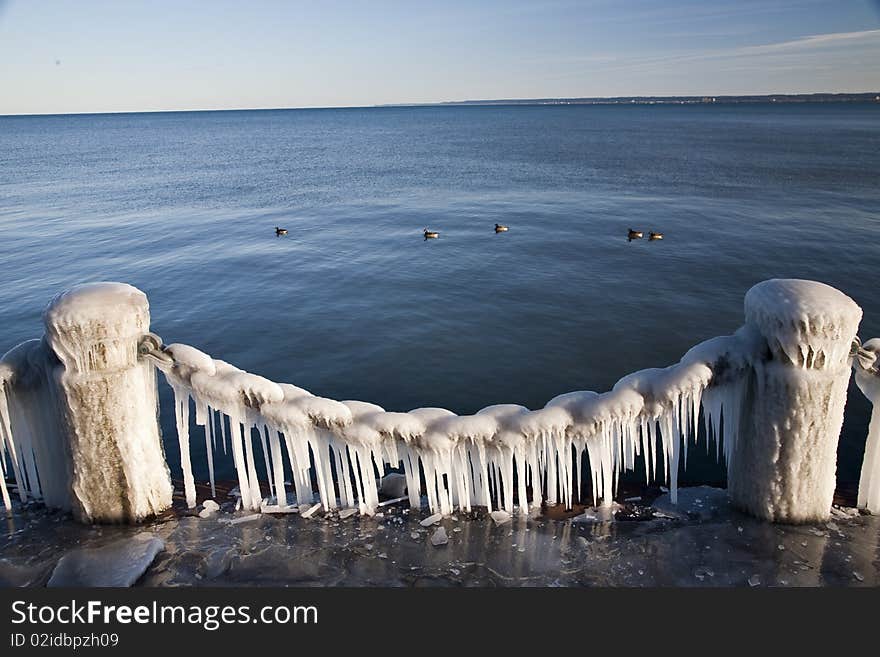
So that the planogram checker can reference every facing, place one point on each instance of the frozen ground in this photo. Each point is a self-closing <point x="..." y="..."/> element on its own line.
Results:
<point x="701" y="542"/>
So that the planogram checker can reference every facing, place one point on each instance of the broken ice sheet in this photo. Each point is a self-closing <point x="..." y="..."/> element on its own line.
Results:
<point x="120" y="563"/>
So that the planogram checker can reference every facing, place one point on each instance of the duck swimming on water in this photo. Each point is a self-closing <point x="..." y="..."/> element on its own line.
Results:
<point x="280" y="231"/>
<point x="635" y="234"/>
<point x="431" y="234"/>
<point x="501" y="229"/>
<point x="655" y="236"/>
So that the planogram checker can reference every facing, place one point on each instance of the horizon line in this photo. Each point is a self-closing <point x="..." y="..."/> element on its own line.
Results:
<point x="487" y="101"/>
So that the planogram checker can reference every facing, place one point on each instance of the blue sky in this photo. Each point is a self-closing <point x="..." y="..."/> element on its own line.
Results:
<point x="93" y="55"/>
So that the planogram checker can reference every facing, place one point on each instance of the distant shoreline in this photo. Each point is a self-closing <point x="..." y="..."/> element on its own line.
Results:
<point x="868" y="96"/>
<point x="862" y="97"/>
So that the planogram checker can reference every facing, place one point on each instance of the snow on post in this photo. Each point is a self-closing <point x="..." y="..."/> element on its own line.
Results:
<point x="785" y="455"/>
<point x="107" y="402"/>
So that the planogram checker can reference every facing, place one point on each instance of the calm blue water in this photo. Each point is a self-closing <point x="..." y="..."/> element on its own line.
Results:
<point x="354" y="304"/>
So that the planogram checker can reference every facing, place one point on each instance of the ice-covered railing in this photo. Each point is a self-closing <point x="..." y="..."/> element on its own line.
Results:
<point x="500" y="454"/>
<point x="771" y="396"/>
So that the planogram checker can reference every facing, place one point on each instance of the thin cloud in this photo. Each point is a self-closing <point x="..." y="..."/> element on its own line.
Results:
<point x="812" y="41"/>
<point x="811" y="44"/>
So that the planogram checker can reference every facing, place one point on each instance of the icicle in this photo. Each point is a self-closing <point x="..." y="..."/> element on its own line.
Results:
<point x="181" y="408"/>
<point x="209" y="442"/>
<point x="551" y="472"/>
<point x="7" y="503"/>
<point x="519" y="459"/>
<point x="356" y="466"/>
<point x="6" y="446"/>
<point x="244" y="485"/>
<point x="345" y="491"/>
<point x="868" y="382"/>
<point x="411" y="470"/>
<point x="325" y="463"/>
<point x="223" y="432"/>
<point x="869" y="481"/>
<point x="318" y="456"/>
<point x="264" y="441"/>
<point x="248" y="439"/>
<point x="294" y="465"/>
<point x="277" y="463"/>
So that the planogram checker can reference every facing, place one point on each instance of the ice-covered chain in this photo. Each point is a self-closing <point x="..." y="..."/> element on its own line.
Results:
<point x="466" y="460"/>
<point x="865" y="356"/>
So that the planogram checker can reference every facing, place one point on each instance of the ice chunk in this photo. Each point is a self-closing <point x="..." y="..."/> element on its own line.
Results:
<point x="276" y="509"/>
<point x="439" y="537"/>
<point x="393" y="500"/>
<point x="309" y="512"/>
<point x="120" y="563"/>
<point x="500" y="517"/>
<point x="248" y="518"/>
<point x="586" y="517"/>
<point x="431" y="520"/>
<point x="209" y="508"/>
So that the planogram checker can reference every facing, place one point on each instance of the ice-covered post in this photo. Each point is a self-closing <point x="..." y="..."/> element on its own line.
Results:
<point x="106" y="397"/>
<point x="785" y="455"/>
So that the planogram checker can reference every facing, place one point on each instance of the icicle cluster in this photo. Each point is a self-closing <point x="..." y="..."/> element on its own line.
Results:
<point x="868" y="379"/>
<point x="500" y="454"/>
<point x="805" y="323"/>
<point x="30" y="435"/>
